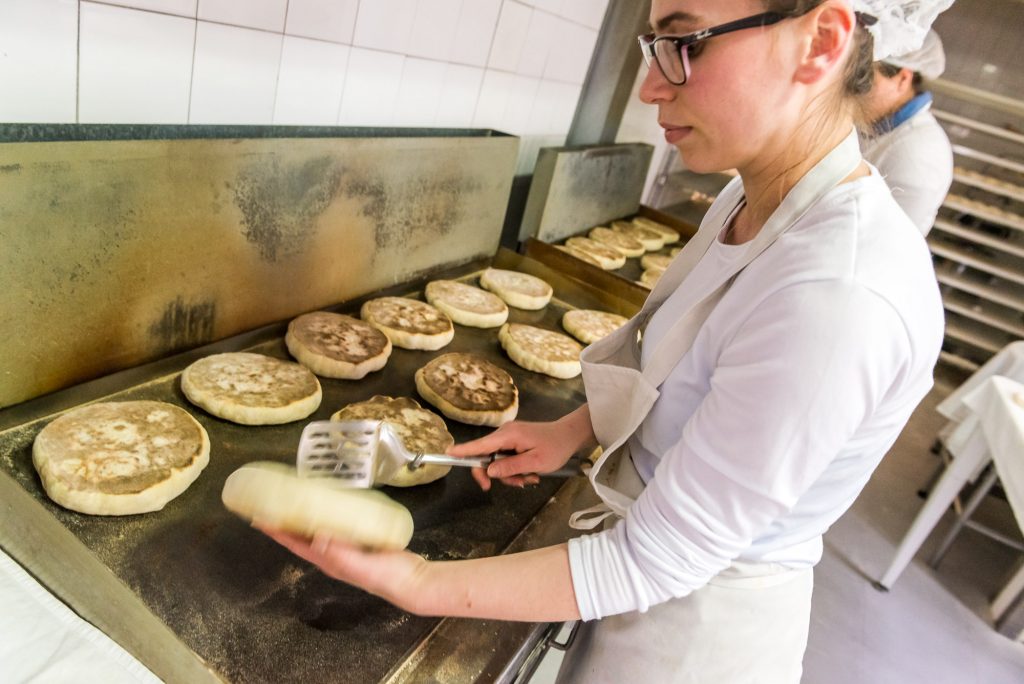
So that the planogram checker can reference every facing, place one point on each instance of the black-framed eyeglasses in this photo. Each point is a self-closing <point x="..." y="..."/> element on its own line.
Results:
<point x="672" y="53"/>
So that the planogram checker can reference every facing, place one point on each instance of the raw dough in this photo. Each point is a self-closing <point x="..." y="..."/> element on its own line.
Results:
<point x="274" y="495"/>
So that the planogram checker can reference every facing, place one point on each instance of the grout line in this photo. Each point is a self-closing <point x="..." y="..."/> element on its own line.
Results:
<point x="192" y="71"/>
<point x="280" y="56"/>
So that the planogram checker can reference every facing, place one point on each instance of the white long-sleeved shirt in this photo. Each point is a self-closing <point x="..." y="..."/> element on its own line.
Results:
<point x="795" y="387"/>
<point x="916" y="160"/>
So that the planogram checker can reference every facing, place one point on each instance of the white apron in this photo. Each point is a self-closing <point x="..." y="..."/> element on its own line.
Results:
<point x="749" y="623"/>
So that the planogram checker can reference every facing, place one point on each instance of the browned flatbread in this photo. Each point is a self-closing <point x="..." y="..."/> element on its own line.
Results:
<point x="337" y="346"/>
<point x="607" y="257"/>
<point x="120" y="458"/>
<point x="251" y="389"/>
<point x="409" y="323"/>
<point x="469" y="389"/>
<point x="520" y="290"/>
<point x="657" y="262"/>
<point x="421" y="432"/>
<point x="540" y="350"/>
<point x="589" y="325"/>
<point x="671" y="236"/>
<point x="585" y="257"/>
<point x="652" y="240"/>
<point x="628" y="246"/>
<point x="467" y="305"/>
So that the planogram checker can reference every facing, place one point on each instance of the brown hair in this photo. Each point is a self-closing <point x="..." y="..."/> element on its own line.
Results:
<point x="890" y="70"/>
<point x="860" y="75"/>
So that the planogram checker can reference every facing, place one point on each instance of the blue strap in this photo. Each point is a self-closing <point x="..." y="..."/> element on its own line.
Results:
<point x="904" y="113"/>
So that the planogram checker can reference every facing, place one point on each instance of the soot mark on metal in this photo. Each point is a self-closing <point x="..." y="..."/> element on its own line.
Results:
<point x="9" y="168"/>
<point x="279" y="204"/>
<point x="424" y="208"/>
<point x="600" y="178"/>
<point x="183" y="325"/>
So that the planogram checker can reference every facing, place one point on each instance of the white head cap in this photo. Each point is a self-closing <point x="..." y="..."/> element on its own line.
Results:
<point x="901" y="25"/>
<point x="929" y="61"/>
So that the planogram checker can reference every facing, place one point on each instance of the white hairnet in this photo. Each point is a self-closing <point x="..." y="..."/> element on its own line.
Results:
<point x="929" y="60"/>
<point x="901" y="25"/>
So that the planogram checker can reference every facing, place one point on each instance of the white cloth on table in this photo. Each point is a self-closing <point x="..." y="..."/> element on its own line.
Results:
<point x="43" y="641"/>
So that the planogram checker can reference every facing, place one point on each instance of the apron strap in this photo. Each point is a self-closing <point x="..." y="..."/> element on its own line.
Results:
<point x="589" y="518"/>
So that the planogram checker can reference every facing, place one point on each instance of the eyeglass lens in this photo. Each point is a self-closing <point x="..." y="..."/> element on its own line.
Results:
<point x="673" y="61"/>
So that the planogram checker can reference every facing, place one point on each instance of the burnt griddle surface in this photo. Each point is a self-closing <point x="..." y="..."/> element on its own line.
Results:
<point x="249" y="608"/>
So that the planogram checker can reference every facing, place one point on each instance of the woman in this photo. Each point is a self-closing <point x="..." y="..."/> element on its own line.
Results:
<point x="782" y="353"/>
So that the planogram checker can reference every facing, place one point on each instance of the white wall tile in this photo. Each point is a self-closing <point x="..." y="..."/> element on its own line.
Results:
<point x="522" y="92"/>
<point x="540" y="37"/>
<point x="570" y="56"/>
<point x="183" y="8"/>
<point x="260" y="14"/>
<point x="38" y="57"/>
<point x="433" y="29"/>
<point x="475" y="31"/>
<point x="419" y="94"/>
<point x="550" y="6"/>
<point x="507" y="48"/>
<point x="587" y="12"/>
<point x="493" y="101"/>
<point x="371" y="88"/>
<point x="134" y="66"/>
<point x="310" y="82"/>
<point x="459" y="96"/>
<point x="385" y="24"/>
<point x="234" y="75"/>
<point x="334" y="20"/>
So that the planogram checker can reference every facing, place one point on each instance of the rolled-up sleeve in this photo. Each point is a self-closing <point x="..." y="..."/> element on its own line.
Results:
<point x="790" y="388"/>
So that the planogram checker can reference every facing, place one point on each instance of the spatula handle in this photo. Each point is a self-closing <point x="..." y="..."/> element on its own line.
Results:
<point x="570" y="469"/>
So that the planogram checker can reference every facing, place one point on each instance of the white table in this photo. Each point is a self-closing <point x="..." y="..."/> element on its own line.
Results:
<point x="990" y="411"/>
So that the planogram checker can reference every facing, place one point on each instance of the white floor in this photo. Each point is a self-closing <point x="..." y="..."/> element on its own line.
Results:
<point x="934" y="625"/>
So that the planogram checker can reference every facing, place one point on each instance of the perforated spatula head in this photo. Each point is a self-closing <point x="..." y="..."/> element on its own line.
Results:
<point x="361" y="452"/>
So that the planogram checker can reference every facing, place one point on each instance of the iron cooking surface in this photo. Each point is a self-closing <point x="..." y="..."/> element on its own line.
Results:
<point x="252" y="610"/>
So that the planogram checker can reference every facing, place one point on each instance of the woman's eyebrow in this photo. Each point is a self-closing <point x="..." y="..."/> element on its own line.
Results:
<point x="670" y="19"/>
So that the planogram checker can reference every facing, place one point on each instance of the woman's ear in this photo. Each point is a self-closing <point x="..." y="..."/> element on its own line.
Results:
<point x="829" y="32"/>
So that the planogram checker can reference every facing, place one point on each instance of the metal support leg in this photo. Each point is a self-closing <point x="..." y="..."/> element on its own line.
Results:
<point x="972" y="504"/>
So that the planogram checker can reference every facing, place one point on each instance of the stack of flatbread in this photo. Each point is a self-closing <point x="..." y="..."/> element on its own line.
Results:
<point x="651" y="240"/>
<point x="542" y="351"/>
<point x="467" y="305"/>
<point x="469" y="389"/>
<point x="607" y="257"/>
<point x="624" y="244"/>
<point x="251" y="389"/>
<point x="589" y="325"/>
<point x="520" y="290"/>
<point x="120" y="458"/>
<point x="337" y="346"/>
<point x="409" y="323"/>
<point x="421" y="432"/>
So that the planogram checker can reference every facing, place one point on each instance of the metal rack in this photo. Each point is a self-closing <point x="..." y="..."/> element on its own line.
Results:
<point x="978" y="237"/>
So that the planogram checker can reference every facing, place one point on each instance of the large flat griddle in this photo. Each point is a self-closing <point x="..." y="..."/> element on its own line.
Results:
<point x="248" y="609"/>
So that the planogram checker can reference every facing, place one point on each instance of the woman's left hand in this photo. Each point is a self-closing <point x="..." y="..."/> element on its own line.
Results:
<point x="391" y="575"/>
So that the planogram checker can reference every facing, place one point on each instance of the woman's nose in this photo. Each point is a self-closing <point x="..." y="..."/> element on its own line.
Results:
<point x="655" y="87"/>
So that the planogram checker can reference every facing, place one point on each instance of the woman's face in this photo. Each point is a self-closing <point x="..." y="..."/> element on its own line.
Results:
<point x="738" y="99"/>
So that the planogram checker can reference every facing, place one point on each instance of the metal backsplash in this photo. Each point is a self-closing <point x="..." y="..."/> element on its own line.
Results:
<point x="575" y="188"/>
<point x="117" y="252"/>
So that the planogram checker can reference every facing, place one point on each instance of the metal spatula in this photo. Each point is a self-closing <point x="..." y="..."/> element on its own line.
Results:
<point x="362" y="452"/>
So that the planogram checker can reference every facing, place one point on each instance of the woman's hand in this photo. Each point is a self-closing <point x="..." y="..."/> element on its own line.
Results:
<point x="392" y="575"/>
<point x="540" y="448"/>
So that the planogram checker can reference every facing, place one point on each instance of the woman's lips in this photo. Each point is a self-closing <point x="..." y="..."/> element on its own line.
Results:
<point x="674" y="134"/>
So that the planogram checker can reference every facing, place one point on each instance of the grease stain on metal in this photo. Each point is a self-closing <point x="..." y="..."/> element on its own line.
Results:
<point x="427" y="207"/>
<point x="9" y="168"/>
<point x="183" y="325"/>
<point x="280" y="204"/>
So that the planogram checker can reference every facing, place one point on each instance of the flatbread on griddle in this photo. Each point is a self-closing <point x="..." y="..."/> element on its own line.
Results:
<point x="409" y="323"/>
<point x="542" y="351"/>
<point x="421" y="432"/>
<point x="467" y="305"/>
<point x="251" y="389"/>
<point x="589" y="325"/>
<point x="520" y="290"/>
<point x="120" y="458"/>
<point x="337" y="346"/>
<point x="469" y="389"/>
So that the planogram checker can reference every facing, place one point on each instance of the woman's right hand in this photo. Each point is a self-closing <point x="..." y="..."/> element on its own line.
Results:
<point x="539" y="448"/>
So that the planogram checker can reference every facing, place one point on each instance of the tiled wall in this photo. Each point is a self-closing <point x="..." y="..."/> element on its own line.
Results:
<point x="512" y="65"/>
